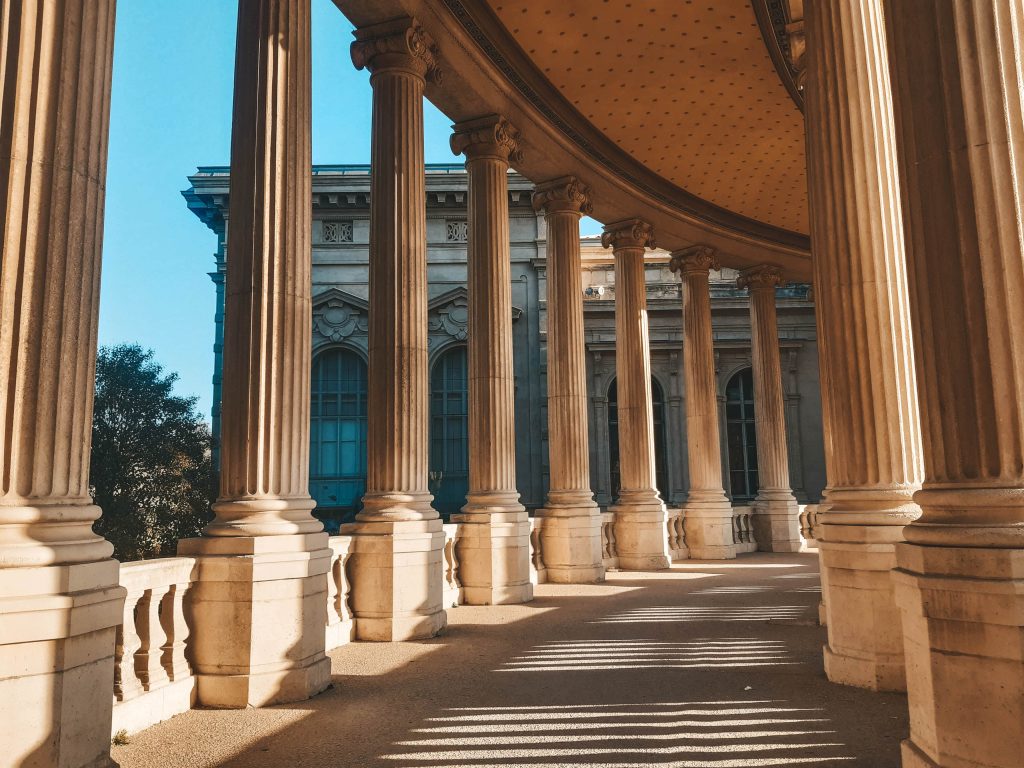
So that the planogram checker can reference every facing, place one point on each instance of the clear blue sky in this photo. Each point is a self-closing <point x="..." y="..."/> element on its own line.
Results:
<point x="171" y="112"/>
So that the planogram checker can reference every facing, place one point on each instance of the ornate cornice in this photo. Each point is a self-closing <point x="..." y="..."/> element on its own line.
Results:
<point x="697" y="259"/>
<point x="630" y="233"/>
<point x="564" y="195"/>
<point x="400" y="44"/>
<point x="764" y="277"/>
<point x="491" y="136"/>
<point x="774" y="20"/>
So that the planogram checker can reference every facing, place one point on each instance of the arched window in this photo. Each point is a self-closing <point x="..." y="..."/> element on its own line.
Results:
<point x="449" y="431"/>
<point x="739" y="418"/>
<point x="337" y="432"/>
<point x="658" y="406"/>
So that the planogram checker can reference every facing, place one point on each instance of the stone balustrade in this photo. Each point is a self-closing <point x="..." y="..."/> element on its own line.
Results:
<point x="676" y="534"/>
<point x="538" y="571"/>
<point x="340" y="621"/>
<point x="808" y="525"/>
<point x="152" y="678"/>
<point x="609" y="551"/>
<point x="743" y="529"/>
<point x="452" y="594"/>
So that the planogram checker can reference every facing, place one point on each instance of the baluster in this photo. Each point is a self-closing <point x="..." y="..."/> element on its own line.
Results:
<point x="126" y="683"/>
<point x="333" y="591"/>
<point x="172" y="619"/>
<point x="151" y="634"/>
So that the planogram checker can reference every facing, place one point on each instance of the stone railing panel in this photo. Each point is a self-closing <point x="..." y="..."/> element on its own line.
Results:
<point x="609" y="552"/>
<point x="808" y="525"/>
<point x="676" y="534"/>
<point x="452" y="595"/>
<point x="341" y="623"/>
<point x="538" y="571"/>
<point x="152" y="677"/>
<point x="743" y="529"/>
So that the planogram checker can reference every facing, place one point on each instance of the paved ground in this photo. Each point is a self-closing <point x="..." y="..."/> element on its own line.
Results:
<point x="711" y="664"/>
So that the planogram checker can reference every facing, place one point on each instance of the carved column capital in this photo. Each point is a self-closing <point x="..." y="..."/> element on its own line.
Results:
<point x="797" y="51"/>
<point x="563" y="195"/>
<point x="630" y="233"/>
<point x="764" y="277"/>
<point x="401" y="44"/>
<point x="491" y="136"/>
<point x="696" y="259"/>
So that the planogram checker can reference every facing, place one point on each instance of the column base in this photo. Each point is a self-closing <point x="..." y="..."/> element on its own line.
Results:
<point x="397" y="574"/>
<point x="865" y="636"/>
<point x="493" y="551"/>
<point x="57" y="657"/>
<point x="259" y="608"/>
<point x="641" y="540"/>
<point x="707" y="519"/>
<point x="963" y="627"/>
<point x="776" y="518"/>
<point x="570" y="539"/>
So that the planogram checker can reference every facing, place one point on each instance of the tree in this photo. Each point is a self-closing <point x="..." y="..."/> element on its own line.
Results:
<point x="151" y="470"/>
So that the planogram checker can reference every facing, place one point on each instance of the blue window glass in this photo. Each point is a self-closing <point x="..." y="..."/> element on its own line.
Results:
<point x="660" y="466"/>
<point x="741" y="435"/>
<point x="449" y="431"/>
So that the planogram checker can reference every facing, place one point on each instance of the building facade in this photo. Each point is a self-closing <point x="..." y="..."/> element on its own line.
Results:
<point x="340" y="244"/>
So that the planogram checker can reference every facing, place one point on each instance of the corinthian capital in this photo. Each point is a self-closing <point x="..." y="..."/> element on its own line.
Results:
<point x="764" y="277"/>
<point x="491" y="136"/>
<point x="630" y="233"/>
<point x="400" y="44"/>
<point x="565" y="195"/>
<point x="695" y="260"/>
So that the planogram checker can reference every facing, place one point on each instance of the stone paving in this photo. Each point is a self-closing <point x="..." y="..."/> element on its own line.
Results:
<point x="714" y="665"/>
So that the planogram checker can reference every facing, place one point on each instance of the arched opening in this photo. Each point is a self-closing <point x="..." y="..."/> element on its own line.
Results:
<point x="449" y="431"/>
<point x="741" y="435"/>
<point x="337" y="435"/>
<point x="660" y="465"/>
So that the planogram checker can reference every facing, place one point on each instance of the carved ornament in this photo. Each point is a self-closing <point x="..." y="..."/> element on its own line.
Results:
<point x="491" y="136"/>
<point x="564" y="195"/>
<point x="336" y="321"/>
<point x="697" y="259"/>
<point x="631" y="233"/>
<point x="400" y="44"/>
<point x="798" y="51"/>
<point x="765" y="277"/>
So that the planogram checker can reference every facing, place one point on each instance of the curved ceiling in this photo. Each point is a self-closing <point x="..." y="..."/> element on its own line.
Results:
<point x="685" y="87"/>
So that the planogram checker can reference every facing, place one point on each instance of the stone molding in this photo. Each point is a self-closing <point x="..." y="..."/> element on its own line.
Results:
<point x="401" y="44"/>
<point x="491" y="136"/>
<point x="629" y="233"/>
<point x="566" y="194"/>
<point x="765" y="277"/>
<point x="797" y="52"/>
<point x="694" y="259"/>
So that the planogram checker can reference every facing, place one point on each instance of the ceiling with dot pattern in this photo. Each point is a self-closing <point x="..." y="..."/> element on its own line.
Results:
<point x="686" y="87"/>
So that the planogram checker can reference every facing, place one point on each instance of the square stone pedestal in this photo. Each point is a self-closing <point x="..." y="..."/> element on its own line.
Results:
<point x="641" y="537"/>
<point x="963" y="625"/>
<point x="258" y="612"/>
<point x="57" y="627"/>
<point x="708" y="524"/>
<point x="571" y="546"/>
<point x="397" y="574"/>
<point x="493" y="551"/>
<point x="865" y="635"/>
<point x="776" y="519"/>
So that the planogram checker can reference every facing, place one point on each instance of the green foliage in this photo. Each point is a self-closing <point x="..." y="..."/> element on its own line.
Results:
<point x="151" y="469"/>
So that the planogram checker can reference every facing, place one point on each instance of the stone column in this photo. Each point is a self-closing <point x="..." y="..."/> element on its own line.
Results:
<point x="707" y="513"/>
<point x="872" y="432"/>
<point x="776" y="514"/>
<point x="959" y="103"/>
<point x="396" y="564"/>
<point x="262" y="562"/>
<point x="493" y="543"/>
<point x="640" y="514"/>
<point x="571" y="529"/>
<point x="59" y="596"/>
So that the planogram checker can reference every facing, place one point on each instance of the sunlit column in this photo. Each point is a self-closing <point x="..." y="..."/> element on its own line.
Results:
<point x="571" y="521"/>
<point x="59" y="596"/>
<point x="776" y="513"/>
<point x="872" y="432"/>
<point x="707" y="512"/>
<point x="959" y="98"/>
<point x="263" y="559"/>
<point x="493" y="544"/>
<point x="640" y="514"/>
<point x="397" y="554"/>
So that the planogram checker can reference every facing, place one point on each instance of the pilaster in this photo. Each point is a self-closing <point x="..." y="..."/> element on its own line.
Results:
<point x="640" y="514"/>
<point x="707" y="512"/>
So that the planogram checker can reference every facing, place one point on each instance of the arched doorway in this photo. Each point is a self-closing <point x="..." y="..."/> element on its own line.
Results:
<point x="658" y="407"/>
<point x="337" y="433"/>
<point x="449" y="430"/>
<point x="741" y="435"/>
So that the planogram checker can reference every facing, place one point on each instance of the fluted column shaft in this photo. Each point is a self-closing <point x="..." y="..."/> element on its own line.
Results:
<point x="872" y="436"/>
<point x="494" y="542"/>
<point x="640" y="514"/>
<point x="59" y="594"/>
<point x="572" y="547"/>
<point x="264" y="478"/>
<point x="959" y="103"/>
<point x="776" y="513"/>
<point x="708" y="516"/>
